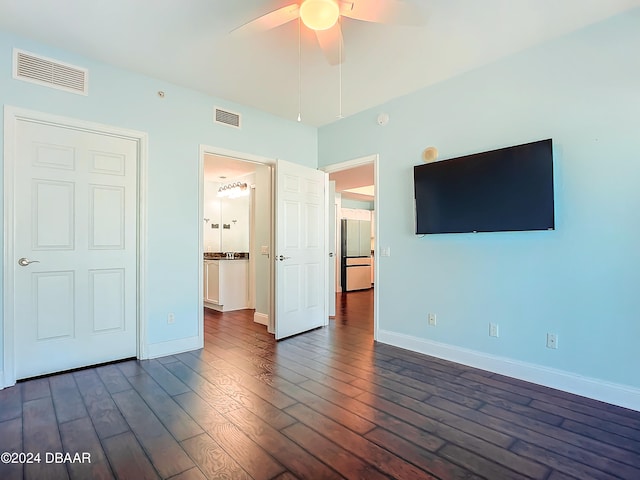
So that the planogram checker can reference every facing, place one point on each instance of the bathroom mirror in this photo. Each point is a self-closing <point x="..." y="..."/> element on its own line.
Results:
<point x="226" y="221"/>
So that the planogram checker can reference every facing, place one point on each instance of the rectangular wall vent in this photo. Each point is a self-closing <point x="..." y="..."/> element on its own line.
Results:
<point x="48" y="72"/>
<point x="227" y="118"/>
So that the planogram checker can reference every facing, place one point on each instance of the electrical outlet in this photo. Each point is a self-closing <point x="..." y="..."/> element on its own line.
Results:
<point x="432" y="319"/>
<point x="493" y="330"/>
<point x="171" y="318"/>
<point x="552" y="340"/>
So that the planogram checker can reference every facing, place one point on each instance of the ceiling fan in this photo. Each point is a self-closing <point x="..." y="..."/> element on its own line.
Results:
<point x="323" y="17"/>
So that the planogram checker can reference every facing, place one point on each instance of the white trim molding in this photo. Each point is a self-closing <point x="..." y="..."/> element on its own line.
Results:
<point x="346" y="165"/>
<point x="261" y="318"/>
<point x="609" y="392"/>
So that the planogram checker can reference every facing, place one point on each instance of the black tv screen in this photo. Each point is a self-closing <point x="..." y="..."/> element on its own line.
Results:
<point x="509" y="189"/>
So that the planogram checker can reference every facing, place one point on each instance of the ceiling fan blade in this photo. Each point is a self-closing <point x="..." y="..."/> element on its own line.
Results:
<point x="383" y="11"/>
<point x="332" y="44"/>
<point x="270" y="20"/>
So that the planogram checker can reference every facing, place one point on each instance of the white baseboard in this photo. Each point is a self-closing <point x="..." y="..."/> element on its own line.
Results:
<point x="213" y="306"/>
<point x="222" y="308"/>
<point x="613" y="393"/>
<point x="261" y="318"/>
<point x="162" y="349"/>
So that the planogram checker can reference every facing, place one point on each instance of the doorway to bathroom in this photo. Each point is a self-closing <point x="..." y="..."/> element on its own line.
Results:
<point x="285" y="265"/>
<point x="236" y="218"/>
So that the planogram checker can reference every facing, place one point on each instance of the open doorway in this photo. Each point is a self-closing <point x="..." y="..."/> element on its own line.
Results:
<point x="356" y="229"/>
<point x="236" y="235"/>
<point x="287" y="241"/>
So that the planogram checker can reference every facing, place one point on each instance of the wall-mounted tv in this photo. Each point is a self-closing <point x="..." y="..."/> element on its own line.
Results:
<point x="509" y="189"/>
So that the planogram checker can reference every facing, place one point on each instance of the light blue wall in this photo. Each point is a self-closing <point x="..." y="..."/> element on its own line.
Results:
<point x="176" y="126"/>
<point x="580" y="281"/>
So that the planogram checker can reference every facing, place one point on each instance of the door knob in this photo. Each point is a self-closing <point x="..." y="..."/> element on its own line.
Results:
<point x="331" y="254"/>
<point x="282" y="257"/>
<point x="23" y="262"/>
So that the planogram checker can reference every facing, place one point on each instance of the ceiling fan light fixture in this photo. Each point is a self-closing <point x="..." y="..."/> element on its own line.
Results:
<point x="319" y="14"/>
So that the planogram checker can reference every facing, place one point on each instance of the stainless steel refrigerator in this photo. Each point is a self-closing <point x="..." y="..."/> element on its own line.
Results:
<point x="356" y="254"/>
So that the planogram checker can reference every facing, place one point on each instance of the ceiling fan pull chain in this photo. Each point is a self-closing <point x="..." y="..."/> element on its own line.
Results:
<point x="299" y="69"/>
<point x="340" y="77"/>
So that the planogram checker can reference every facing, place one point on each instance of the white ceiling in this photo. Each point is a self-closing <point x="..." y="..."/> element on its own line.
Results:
<point x="222" y="169"/>
<point x="188" y="43"/>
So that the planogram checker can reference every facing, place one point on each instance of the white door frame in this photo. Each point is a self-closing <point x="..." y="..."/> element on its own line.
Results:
<point x="336" y="167"/>
<point x="11" y="116"/>
<point x="332" y="216"/>
<point x="245" y="157"/>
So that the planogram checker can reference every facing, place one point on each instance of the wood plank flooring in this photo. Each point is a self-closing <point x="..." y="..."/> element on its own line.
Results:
<point x="327" y="404"/>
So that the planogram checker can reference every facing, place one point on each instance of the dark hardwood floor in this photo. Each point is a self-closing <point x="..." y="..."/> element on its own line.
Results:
<point x="327" y="404"/>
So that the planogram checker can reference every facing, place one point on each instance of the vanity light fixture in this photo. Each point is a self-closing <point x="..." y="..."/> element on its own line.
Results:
<point x="233" y="190"/>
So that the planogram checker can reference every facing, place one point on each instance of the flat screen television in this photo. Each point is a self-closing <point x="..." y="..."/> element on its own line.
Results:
<point x="509" y="189"/>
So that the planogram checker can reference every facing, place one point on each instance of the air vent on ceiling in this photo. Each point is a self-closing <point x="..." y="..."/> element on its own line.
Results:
<point x="46" y="71"/>
<point x="227" y="118"/>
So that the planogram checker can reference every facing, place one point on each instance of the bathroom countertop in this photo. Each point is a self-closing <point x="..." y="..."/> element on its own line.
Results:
<point x="223" y="256"/>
